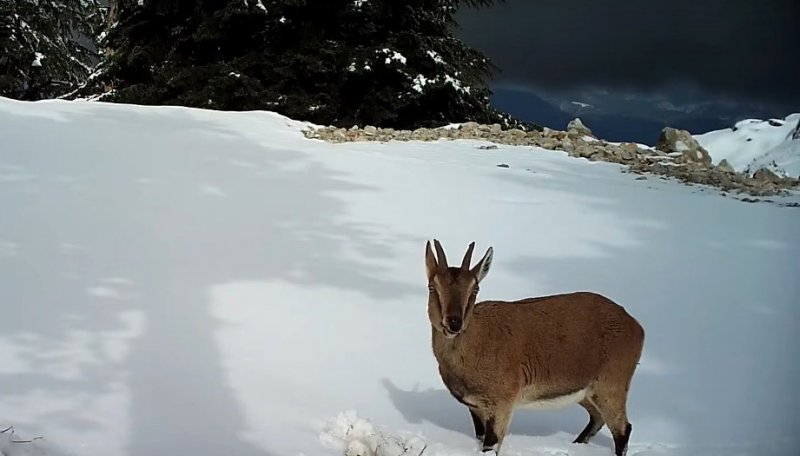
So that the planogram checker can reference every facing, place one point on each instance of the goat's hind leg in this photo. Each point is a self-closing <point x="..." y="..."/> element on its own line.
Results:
<point x="596" y="422"/>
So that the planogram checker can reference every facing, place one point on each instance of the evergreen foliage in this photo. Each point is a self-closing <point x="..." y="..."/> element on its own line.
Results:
<point x="46" y="46"/>
<point x="339" y="62"/>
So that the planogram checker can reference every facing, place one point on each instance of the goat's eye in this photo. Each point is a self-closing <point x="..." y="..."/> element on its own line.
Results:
<point x="431" y="289"/>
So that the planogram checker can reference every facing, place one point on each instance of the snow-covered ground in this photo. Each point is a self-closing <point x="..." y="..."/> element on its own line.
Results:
<point x="185" y="282"/>
<point x="755" y="144"/>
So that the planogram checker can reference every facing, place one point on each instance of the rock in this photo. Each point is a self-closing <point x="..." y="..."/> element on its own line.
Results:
<point x="602" y="154"/>
<point x="673" y="141"/>
<point x="765" y="175"/>
<point x="628" y="151"/>
<point x="721" y="178"/>
<point x="583" y="150"/>
<point x="469" y="126"/>
<point x="699" y="156"/>
<point x="725" y="166"/>
<point x="548" y="143"/>
<point x="429" y="134"/>
<point x="533" y="134"/>
<point x="567" y="145"/>
<point x="576" y="126"/>
<point x="699" y="176"/>
<point x="687" y="161"/>
<point x="611" y="151"/>
<point x="340" y="134"/>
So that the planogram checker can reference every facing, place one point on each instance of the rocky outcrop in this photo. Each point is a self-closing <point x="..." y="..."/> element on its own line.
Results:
<point x="576" y="128"/>
<point x="677" y="155"/>
<point x="796" y="132"/>
<point x="685" y="148"/>
<point x="766" y="175"/>
<point x="724" y="165"/>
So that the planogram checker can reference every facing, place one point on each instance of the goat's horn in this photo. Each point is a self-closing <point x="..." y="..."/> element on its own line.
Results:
<point x="440" y="253"/>
<point x="468" y="257"/>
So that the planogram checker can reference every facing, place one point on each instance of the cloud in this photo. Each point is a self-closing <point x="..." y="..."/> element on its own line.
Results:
<point x="737" y="48"/>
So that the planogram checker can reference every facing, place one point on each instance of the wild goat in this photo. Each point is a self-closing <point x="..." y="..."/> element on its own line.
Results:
<point x="545" y="352"/>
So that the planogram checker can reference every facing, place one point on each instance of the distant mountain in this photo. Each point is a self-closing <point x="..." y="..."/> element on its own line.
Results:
<point x="752" y="144"/>
<point x="528" y="106"/>
<point x="624" y="116"/>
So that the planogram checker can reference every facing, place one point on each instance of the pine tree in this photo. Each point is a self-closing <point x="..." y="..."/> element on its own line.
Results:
<point x="46" y="46"/>
<point x="338" y="62"/>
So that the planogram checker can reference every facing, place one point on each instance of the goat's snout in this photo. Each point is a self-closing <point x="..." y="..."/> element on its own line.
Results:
<point x="453" y="323"/>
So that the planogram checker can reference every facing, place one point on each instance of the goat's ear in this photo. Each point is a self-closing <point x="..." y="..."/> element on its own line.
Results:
<point x="431" y="266"/>
<point x="482" y="268"/>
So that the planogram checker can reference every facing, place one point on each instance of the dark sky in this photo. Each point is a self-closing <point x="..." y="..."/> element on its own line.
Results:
<point x="741" y="49"/>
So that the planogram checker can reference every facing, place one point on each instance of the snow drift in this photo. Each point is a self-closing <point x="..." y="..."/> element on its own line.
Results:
<point x="185" y="282"/>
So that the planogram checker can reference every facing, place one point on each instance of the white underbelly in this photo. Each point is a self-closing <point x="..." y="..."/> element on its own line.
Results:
<point x="554" y="403"/>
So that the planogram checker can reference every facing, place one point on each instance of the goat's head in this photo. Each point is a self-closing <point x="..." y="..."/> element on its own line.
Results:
<point x="452" y="291"/>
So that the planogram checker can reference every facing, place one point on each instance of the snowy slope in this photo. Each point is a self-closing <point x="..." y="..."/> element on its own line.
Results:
<point x="185" y="282"/>
<point x="754" y="144"/>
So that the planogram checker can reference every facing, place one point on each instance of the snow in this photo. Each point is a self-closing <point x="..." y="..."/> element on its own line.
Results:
<point x="393" y="55"/>
<point x="756" y="143"/>
<point x="783" y="159"/>
<point x="435" y="56"/>
<point x="455" y="83"/>
<point x="37" y="60"/>
<point x="183" y="281"/>
<point x="680" y="146"/>
<point x="12" y="444"/>
<point x="420" y="82"/>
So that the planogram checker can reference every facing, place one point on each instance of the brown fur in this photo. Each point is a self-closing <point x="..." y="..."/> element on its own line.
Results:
<point x="509" y="354"/>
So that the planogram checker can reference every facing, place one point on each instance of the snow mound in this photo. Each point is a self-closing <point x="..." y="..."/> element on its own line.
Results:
<point x="356" y="436"/>
<point x="753" y="143"/>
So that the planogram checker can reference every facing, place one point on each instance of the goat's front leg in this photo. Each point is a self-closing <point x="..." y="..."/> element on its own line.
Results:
<point x="479" y="424"/>
<point x="496" y="428"/>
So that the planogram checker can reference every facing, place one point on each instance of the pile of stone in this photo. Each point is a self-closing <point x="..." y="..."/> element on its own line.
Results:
<point x="676" y="155"/>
